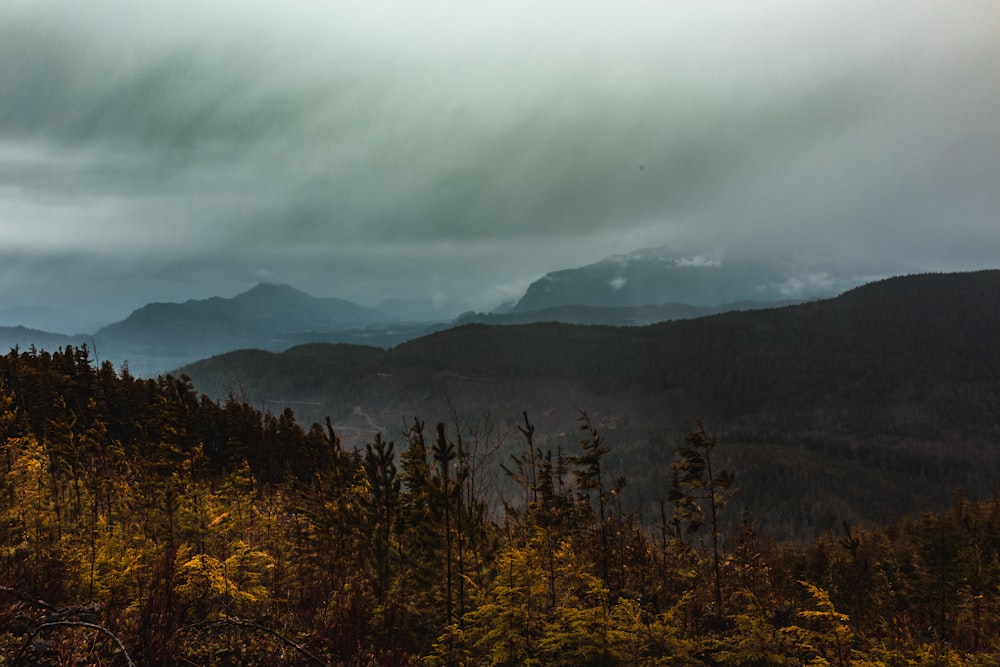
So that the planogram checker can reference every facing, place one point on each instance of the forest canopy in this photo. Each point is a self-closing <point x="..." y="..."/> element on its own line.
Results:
<point x="142" y="523"/>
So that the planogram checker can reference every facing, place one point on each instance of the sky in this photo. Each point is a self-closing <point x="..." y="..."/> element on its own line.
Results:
<point x="457" y="151"/>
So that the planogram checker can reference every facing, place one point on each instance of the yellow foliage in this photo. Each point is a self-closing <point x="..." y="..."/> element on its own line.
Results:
<point x="30" y="520"/>
<point x="233" y="586"/>
<point x="827" y="638"/>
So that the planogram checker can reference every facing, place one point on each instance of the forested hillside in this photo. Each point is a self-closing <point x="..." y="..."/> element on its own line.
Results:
<point x="141" y="523"/>
<point x="864" y="408"/>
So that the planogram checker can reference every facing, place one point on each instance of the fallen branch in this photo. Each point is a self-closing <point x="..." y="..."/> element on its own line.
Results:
<point x="24" y="597"/>
<point x="78" y="624"/>
<point x="243" y="623"/>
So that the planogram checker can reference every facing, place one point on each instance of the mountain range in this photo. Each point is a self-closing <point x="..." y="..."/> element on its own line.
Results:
<point x="619" y="316"/>
<point x="860" y="408"/>
<point x="271" y="317"/>
<point x="162" y="336"/>
<point x="652" y="276"/>
<point x="643" y="287"/>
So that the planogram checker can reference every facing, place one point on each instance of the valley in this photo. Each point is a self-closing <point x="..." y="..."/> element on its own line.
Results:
<point x="863" y="408"/>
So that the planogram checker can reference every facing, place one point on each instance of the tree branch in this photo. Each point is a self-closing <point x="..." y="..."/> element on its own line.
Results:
<point x="78" y="624"/>
<point x="30" y="599"/>
<point x="243" y="623"/>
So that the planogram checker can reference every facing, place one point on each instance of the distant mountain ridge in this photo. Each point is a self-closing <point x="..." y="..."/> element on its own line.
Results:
<point x="639" y="288"/>
<point x="24" y="337"/>
<point x="282" y="308"/>
<point x="653" y="276"/>
<point x="268" y="316"/>
<point x="621" y="316"/>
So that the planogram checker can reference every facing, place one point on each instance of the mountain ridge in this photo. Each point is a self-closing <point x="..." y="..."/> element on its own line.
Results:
<point x="863" y="406"/>
<point x="634" y="289"/>
<point x="661" y="275"/>
<point x="614" y="315"/>
<point x="270" y="316"/>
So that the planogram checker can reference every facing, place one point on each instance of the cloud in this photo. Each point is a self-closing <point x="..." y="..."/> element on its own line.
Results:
<point x="618" y="283"/>
<point x="700" y="261"/>
<point x="367" y="149"/>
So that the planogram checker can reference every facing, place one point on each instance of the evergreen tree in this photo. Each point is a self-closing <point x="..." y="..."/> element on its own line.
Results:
<point x="384" y="519"/>
<point x="700" y="494"/>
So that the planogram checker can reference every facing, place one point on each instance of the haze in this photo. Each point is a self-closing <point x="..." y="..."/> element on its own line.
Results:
<point x="455" y="152"/>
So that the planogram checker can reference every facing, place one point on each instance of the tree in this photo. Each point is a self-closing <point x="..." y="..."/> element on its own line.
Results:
<point x="384" y="522"/>
<point x="695" y="484"/>
<point x="589" y="480"/>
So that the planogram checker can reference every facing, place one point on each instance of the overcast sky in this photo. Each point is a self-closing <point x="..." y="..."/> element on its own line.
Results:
<point x="460" y="150"/>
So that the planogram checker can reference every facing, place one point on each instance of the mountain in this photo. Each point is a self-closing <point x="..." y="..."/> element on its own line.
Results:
<point x="162" y="336"/>
<point x="657" y="276"/>
<point x="282" y="309"/>
<point x="643" y="287"/>
<point x="24" y="338"/>
<point x="860" y="408"/>
<point x="623" y="316"/>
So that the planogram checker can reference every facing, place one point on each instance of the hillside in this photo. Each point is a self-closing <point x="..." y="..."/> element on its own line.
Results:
<point x="143" y="524"/>
<point x="865" y="407"/>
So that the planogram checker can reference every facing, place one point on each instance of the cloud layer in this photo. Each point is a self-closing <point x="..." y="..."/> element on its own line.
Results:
<point x="385" y="149"/>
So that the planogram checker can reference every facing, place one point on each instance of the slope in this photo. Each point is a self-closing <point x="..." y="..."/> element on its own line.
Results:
<point x="860" y="408"/>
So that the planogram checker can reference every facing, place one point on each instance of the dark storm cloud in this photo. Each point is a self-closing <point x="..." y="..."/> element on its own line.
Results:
<point x="368" y="149"/>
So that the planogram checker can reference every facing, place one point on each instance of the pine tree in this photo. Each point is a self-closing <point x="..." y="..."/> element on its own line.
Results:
<point x="696" y="484"/>
<point x="384" y="520"/>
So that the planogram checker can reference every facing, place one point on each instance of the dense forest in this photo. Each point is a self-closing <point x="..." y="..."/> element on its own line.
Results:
<point x="142" y="523"/>
<point x="864" y="408"/>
